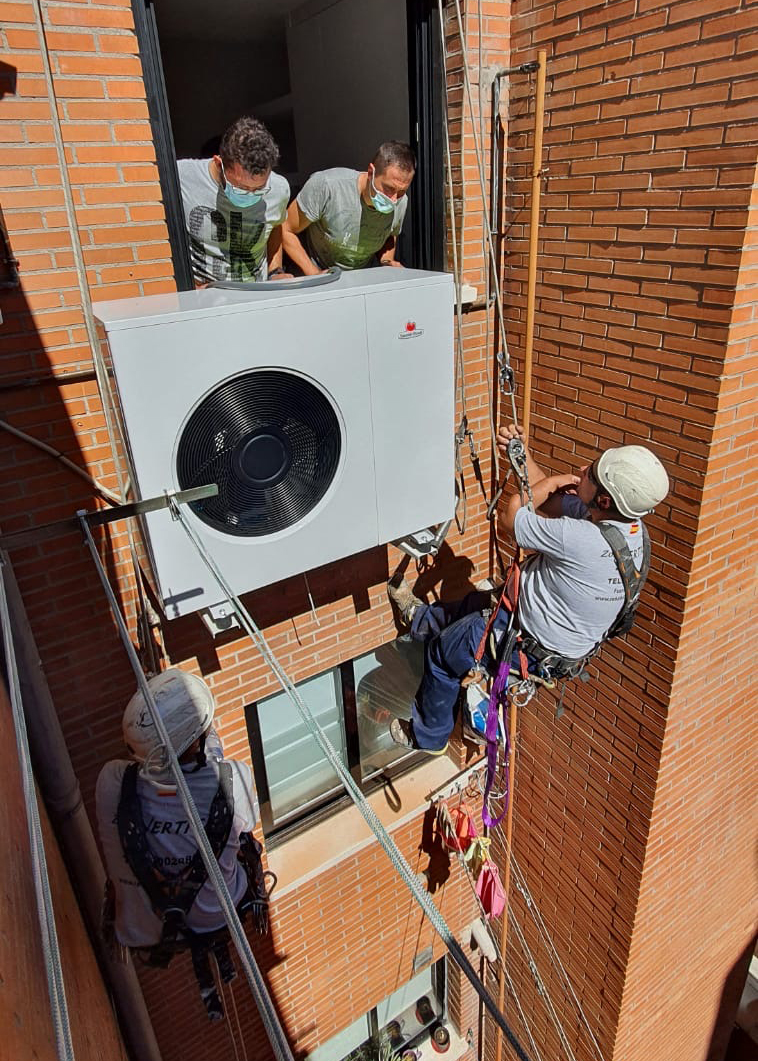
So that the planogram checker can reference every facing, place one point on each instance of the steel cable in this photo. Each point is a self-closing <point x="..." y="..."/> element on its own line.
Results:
<point x="386" y="842"/>
<point x="262" y="998"/>
<point x="495" y="942"/>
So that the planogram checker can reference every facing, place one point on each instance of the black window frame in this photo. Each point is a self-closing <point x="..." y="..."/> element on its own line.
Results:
<point x="424" y="244"/>
<point x="331" y="802"/>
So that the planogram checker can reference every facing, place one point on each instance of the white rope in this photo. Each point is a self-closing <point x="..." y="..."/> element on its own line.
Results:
<point x="45" y="913"/>
<point x="493" y="939"/>
<point x="524" y="1021"/>
<point x="482" y="185"/>
<point x="237" y="1022"/>
<point x="541" y="988"/>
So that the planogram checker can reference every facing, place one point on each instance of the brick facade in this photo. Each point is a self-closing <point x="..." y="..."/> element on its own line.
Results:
<point x="644" y="318"/>
<point x="629" y="806"/>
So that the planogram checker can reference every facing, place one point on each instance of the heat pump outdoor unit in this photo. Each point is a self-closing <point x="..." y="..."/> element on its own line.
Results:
<point x="324" y="414"/>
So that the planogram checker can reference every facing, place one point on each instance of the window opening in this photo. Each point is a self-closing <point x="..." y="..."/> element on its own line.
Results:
<point x="404" y="1019"/>
<point x="331" y="79"/>
<point x="354" y="703"/>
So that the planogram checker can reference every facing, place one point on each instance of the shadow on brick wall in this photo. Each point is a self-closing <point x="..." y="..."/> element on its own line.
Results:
<point x="725" y="1045"/>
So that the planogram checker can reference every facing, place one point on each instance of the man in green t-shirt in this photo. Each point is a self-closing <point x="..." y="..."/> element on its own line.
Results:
<point x="351" y="219"/>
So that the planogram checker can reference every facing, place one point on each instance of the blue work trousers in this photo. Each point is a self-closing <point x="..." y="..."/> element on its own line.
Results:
<point x="451" y="634"/>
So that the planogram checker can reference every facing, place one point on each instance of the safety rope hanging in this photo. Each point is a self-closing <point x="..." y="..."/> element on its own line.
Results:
<point x="464" y="860"/>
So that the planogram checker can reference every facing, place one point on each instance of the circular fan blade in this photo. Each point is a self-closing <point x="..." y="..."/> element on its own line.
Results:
<point x="272" y="442"/>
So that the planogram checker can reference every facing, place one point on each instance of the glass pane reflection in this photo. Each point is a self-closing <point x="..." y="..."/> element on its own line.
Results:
<point x="385" y="684"/>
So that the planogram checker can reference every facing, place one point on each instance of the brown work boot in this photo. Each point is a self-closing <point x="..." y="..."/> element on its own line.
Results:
<point x="401" y="731"/>
<point x="402" y="599"/>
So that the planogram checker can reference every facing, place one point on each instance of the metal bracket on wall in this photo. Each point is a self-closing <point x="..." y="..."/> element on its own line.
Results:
<point x="106" y="515"/>
<point x="424" y="542"/>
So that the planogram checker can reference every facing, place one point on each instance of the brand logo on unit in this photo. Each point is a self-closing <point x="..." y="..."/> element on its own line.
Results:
<point x="411" y="331"/>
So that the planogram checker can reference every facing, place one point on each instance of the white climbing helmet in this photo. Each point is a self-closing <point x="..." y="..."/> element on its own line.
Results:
<point x="186" y="705"/>
<point x="634" y="477"/>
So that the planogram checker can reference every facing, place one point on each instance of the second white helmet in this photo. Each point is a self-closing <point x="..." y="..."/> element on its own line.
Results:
<point x="634" y="478"/>
<point x="185" y="704"/>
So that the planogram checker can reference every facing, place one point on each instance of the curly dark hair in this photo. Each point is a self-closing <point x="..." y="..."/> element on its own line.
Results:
<point x="249" y="144"/>
<point x="394" y="153"/>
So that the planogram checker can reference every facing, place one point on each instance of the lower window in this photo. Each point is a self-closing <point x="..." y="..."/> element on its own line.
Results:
<point x="397" y="1026"/>
<point x="354" y="704"/>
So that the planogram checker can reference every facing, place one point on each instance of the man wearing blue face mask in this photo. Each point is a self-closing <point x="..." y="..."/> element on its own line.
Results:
<point x="234" y="206"/>
<point x="351" y="219"/>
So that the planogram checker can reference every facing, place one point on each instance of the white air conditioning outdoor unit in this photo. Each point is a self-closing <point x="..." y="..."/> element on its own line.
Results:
<point x="325" y="415"/>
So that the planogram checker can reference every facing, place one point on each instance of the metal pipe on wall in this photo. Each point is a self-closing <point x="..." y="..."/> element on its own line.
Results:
<point x="60" y="789"/>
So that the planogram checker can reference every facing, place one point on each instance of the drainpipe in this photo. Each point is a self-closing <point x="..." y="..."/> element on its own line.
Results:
<point x="60" y="789"/>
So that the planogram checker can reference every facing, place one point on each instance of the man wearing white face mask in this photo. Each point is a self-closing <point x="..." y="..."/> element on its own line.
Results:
<point x="351" y="219"/>
<point x="234" y="206"/>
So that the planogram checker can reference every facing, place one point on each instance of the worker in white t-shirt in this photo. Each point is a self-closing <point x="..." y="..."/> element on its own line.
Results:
<point x="163" y="898"/>
<point x="234" y="207"/>
<point x="571" y="589"/>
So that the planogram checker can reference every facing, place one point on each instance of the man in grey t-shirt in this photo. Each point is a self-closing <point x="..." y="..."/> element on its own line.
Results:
<point x="571" y="589"/>
<point x="234" y="206"/>
<point x="351" y="219"/>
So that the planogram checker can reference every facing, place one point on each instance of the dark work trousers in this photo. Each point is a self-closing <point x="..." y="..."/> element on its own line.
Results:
<point x="451" y="634"/>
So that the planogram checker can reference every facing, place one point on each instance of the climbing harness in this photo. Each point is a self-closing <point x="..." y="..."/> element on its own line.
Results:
<point x="632" y="579"/>
<point x="172" y="896"/>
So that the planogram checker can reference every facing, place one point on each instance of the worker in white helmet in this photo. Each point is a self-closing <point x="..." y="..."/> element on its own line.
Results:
<point x="163" y="899"/>
<point x="571" y="587"/>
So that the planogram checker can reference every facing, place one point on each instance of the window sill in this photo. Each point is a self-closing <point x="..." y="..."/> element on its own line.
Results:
<point x="297" y="860"/>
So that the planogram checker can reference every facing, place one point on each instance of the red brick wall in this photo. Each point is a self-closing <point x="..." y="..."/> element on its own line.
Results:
<point x="698" y="895"/>
<point x="650" y="159"/>
<point x="366" y="941"/>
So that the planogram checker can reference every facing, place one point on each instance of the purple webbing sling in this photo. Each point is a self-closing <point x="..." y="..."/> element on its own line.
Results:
<point x="498" y="702"/>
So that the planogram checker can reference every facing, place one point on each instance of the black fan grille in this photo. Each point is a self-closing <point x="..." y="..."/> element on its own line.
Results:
<point x="272" y="442"/>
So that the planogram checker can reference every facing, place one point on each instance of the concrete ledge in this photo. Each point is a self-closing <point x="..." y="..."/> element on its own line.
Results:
<point x="303" y="857"/>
